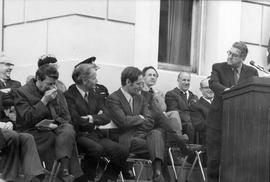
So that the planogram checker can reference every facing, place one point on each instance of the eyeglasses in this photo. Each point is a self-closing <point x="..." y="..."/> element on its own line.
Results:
<point x="232" y="54"/>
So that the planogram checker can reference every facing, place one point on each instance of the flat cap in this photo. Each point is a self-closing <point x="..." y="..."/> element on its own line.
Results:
<point x="5" y="60"/>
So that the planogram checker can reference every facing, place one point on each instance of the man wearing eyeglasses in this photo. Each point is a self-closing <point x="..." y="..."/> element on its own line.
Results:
<point x="200" y="109"/>
<point x="223" y="77"/>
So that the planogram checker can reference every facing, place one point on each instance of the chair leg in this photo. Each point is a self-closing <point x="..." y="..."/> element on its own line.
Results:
<point x="200" y="164"/>
<point x="182" y="167"/>
<point x="134" y="172"/>
<point x="55" y="170"/>
<point x="192" y="168"/>
<point x="140" y="172"/>
<point x="193" y="165"/>
<point x="121" y="177"/>
<point x="173" y="166"/>
<point x="107" y="162"/>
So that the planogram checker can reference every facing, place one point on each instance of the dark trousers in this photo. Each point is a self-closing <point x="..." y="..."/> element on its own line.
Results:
<point x="96" y="146"/>
<point x="171" y="127"/>
<point x="213" y="145"/>
<point x="20" y="155"/>
<point x="57" y="144"/>
<point x="189" y="130"/>
<point x="149" y="144"/>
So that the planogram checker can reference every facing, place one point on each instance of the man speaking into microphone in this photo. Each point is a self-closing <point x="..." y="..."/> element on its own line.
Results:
<point x="224" y="76"/>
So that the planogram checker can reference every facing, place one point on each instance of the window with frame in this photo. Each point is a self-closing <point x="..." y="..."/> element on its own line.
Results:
<point x="179" y="34"/>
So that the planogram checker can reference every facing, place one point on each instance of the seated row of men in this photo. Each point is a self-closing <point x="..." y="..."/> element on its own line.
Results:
<point x="49" y="122"/>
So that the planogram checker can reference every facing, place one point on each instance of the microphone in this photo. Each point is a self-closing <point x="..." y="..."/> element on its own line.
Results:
<point x="252" y="63"/>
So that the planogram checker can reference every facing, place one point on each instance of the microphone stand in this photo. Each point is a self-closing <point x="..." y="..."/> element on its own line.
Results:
<point x="259" y="67"/>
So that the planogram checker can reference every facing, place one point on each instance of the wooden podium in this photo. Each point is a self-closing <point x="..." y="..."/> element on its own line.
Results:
<point x="246" y="132"/>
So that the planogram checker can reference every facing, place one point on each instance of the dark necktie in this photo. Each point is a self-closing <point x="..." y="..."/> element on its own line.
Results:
<point x="185" y="95"/>
<point x="151" y="90"/>
<point x="4" y="83"/>
<point x="236" y="76"/>
<point x="85" y="97"/>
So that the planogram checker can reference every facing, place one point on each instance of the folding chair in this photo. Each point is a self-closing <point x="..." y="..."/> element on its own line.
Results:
<point x="197" y="158"/>
<point x="54" y="171"/>
<point x="134" y="160"/>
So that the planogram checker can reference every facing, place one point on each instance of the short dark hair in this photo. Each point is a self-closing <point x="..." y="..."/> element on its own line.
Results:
<point x="46" y="59"/>
<point x="47" y="70"/>
<point x="242" y="47"/>
<point x="81" y="71"/>
<point x="131" y="73"/>
<point x="145" y="69"/>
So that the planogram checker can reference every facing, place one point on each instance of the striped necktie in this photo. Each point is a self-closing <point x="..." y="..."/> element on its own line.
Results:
<point x="236" y="75"/>
<point x="131" y="104"/>
<point x="85" y="97"/>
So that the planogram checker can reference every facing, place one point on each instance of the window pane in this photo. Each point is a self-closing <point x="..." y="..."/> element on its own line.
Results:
<point x="175" y="32"/>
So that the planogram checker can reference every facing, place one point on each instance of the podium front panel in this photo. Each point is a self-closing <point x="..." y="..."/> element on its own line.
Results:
<point x="246" y="135"/>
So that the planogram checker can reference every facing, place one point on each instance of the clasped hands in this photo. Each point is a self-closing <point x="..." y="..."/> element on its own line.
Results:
<point x="49" y="95"/>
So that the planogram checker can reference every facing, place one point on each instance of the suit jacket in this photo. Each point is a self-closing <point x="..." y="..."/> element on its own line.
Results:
<point x="176" y="101"/>
<point x="30" y="110"/>
<point x="101" y="92"/>
<point x="222" y="78"/>
<point x="10" y="84"/>
<point x="199" y="113"/>
<point x="129" y="123"/>
<point x="8" y="98"/>
<point x="2" y="141"/>
<point x="79" y="107"/>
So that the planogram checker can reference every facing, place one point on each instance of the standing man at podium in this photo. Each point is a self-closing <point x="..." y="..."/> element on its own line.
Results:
<point x="224" y="76"/>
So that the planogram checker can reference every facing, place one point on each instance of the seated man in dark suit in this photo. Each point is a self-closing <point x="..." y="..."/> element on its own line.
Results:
<point x="88" y="112"/>
<point x="199" y="112"/>
<point x="6" y="67"/>
<point x="7" y="85"/>
<point x="99" y="91"/>
<point x="179" y="99"/>
<point x="40" y="102"/>
<point x="131" y="114"/>
<point x="200" y="109"/>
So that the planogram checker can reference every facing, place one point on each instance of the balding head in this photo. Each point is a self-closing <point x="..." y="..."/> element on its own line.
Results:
<point x="184" y="81"/>
<point x="206" y="91"/>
